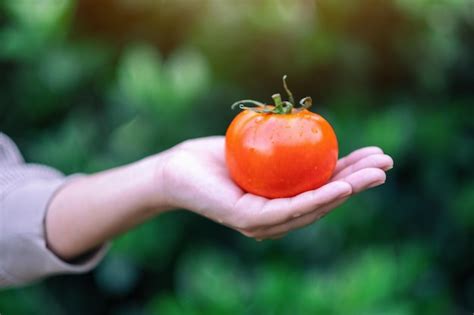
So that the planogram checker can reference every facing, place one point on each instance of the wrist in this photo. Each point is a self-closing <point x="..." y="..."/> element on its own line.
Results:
<point x="151" y="187"/>
<point x="94" y="208"/>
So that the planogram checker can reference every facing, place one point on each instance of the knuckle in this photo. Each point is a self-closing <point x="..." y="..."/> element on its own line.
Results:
<point x="252" y="233"/>
<point x="247" y="233"/>
<point x="244" y="225"/>
<point x="242" y="222"/>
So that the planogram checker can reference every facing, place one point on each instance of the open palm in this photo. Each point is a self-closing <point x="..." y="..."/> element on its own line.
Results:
<point x="197" y="179"/>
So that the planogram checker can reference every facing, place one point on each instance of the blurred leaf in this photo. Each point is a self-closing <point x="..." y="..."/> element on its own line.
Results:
<point x="210" y="278"/>
<point x="37" y="24"/>
<point x="139" y="76"/>
<point x="188" y="76"/>
<point x="157" y="240"/>
<point x="117" y="275"/>
<point x="28" y="300"/>
<point x="131" y="140"/>
<point x="67" y="149"/>
<point x="392" y="129"/>
<point x="464" y="206"/>
<point x="64" y="68"/>
<point x="168" y="304"/>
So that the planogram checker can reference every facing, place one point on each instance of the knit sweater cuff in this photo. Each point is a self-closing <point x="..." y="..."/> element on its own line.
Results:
<point x="24" y="255"/>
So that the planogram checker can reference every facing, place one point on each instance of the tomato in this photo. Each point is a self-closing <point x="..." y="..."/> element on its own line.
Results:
<point x="280" y="151"/>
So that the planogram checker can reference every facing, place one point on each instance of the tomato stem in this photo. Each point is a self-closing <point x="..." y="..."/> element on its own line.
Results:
<point x="277" y="101"/>
<point x="242" y="106"/>
<point x="281" y="107"/>
<point x="290" y="95"/>
<point x="306" y="102"/>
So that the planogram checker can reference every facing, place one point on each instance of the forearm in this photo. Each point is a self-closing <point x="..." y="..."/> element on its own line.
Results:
<point x="93" y="209"/>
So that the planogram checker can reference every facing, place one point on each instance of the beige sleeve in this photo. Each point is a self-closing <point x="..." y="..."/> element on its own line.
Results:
<point x="25" y="193"/>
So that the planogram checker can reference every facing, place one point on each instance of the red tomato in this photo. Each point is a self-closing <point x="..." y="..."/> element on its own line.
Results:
<point x="277" y="155"/>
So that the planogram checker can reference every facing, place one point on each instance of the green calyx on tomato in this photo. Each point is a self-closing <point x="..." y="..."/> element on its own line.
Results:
<point x="263" y="142"/>
<point x="280" y="107"/>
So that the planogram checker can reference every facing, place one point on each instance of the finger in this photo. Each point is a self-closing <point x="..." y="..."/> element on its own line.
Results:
<point x="356" y="156"/>
<point x="277" y="211"/>
<point x="307" y="219"/>
<point x="213" y="144"/>
<point x="365" y="179"/>
<point x="381" y="161"/>
<point x="359" y="181"/>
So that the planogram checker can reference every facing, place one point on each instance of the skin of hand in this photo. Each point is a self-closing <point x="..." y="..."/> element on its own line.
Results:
<point x="192" y="175"/>
<point x="197" y="179"/>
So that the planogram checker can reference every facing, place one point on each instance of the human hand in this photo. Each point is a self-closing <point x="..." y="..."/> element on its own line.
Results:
<point x="92" y="209"/>
<point x="195" y="177"/>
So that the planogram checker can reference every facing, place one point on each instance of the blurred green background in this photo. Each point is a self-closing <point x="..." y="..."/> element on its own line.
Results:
<point x="88" y="85"/>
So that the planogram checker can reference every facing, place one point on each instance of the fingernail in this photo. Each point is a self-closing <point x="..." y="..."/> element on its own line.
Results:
<point x="376" y="184"/>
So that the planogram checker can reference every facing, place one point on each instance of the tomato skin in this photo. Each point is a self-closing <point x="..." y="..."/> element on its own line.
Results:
<point x="280" y="155"/>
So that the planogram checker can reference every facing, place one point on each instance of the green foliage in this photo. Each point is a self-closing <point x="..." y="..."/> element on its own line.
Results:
<point x="212" y="281"/>
<point x="85" y="87"/>
<point x="162" y="87"/>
